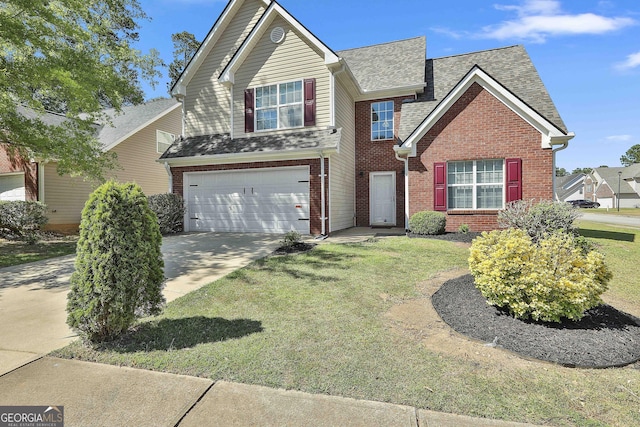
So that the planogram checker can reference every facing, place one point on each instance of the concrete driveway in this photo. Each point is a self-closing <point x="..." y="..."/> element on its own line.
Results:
<point x="626" y="221"/>
<point x="33" y="296"/>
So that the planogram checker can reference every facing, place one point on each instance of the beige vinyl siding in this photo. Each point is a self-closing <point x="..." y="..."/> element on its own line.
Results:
<point x="207" y="101"/>
<point x="137" y="156"/>
<point x="65" y="196"/>
<point x="342" y="165"/>
<point x="270" y="63"/>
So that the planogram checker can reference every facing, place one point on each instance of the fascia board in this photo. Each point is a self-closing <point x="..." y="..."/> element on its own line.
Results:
<point x="274" y="9"/>
<point x="410" y="90"/>
<point x="247" y="157"/>
<point x="139" y="128"/>
<point x="179" y="88"/>
<point x="550" y="133"/>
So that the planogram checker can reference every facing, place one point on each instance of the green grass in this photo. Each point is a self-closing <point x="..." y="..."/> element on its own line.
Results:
<point x="623" y="211"/>
<point x="317" y="322"/>
<point x="16" y="252"/>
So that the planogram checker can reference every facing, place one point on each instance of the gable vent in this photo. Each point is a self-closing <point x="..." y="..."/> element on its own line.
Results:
<point x="277" y="34"/>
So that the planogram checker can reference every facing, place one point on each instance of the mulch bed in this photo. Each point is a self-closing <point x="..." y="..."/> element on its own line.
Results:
<point x="450" y="237"/>
<point x="604" y="337"/>
<point x="295" y="248"/>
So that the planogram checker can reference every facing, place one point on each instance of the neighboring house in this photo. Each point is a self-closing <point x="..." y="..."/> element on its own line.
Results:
<point x="138" y="136"/>
<point x="283" y="133"/>
<point x="620" y="183"/>
<point x="571" y="187"/>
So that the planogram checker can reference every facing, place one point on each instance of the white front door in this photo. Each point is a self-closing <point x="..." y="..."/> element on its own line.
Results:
<point x="382" y="198"/>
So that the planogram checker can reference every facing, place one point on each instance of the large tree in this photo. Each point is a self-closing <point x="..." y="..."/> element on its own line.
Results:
<point x="581" y="170"/>
<point x="73" y="57"/>
<point x="631" y="156"/>
<point x="185" y="46"/>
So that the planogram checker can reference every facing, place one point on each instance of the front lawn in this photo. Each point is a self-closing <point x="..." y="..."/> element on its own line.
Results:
<point x="14" y="252"/>
<point x="356" y="320"/>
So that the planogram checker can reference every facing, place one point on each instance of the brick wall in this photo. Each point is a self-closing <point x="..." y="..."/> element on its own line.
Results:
<point x="10" y="162"/>
<point x="478" y="126"/>
<point x="376" y="156"/>
<point x="314" y="182"/>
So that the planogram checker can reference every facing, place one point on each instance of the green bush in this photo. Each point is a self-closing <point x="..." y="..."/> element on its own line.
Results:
<point x="464" y="228"/>
<point x="119" y="268"/>
<point x="557" y="277"/>
<point x="169" y="208"/>
<point x="428" y="222"/>
<point x="22" y="220"/>
<point x="291" y="238"/>
<point x="539" y="219"/>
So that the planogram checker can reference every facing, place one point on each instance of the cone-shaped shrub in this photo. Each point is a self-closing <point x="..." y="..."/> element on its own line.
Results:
<point x="119" y="269"/>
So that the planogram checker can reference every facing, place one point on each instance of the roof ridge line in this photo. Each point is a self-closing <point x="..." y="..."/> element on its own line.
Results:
<point x="381" y="44"/>
<point x="477" y="51"/>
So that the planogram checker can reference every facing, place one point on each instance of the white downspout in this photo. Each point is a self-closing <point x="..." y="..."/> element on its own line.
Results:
<point x="168" y="169"/>
<point x="564" y="145"/>
<point x="322" y="197"/>
<point x="405" y="160"/>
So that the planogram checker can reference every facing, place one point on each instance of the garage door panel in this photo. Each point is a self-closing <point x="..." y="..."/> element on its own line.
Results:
<point x="272" y="201"/>
<point x="12" y="187"/>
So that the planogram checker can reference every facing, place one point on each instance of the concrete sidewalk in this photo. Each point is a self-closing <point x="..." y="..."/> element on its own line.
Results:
<point x="94" y="394"/>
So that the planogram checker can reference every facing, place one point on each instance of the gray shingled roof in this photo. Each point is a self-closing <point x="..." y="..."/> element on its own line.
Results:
<point x="130" y="118"/>
<point x="610" y="175"/>
<point x="48" y="118"/>
<point x="510" y="66"/>
<point x="388" y="65"/>
<point x="209" y="145"/>
<point x="561" y="181"/>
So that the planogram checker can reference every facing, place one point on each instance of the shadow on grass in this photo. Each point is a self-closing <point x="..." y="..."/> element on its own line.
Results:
<point x="609" y="235"/>
<point x="175" y="334"/>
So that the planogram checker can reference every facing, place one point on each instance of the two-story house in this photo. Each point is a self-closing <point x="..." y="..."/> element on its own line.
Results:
<point x="280" y="132"/>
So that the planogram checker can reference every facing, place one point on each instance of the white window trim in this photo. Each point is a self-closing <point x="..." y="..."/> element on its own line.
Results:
<point x="475" y="185"/>
<point x="392" y="121"/>
<point x="277" y="107"/>
<point x="158" y="141"/>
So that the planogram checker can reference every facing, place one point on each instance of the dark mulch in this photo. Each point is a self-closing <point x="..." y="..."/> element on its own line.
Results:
<point x="604" y="337"/>
<point x="294" y="249"/>
<point x="451" y="237"/>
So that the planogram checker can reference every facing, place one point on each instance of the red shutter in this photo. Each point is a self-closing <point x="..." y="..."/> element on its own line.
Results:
<point x="514" y="179"/>
<point x="310" y="102"/>
<point x="248" y="110"/>
<point x="440" y="186"/>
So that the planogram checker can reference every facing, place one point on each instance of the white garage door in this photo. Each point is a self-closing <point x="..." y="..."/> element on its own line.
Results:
<point x="264" y="201"/>
<point x="12" y="187"/>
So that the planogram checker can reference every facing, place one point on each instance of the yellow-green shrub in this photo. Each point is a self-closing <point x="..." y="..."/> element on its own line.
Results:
<point x="553" y="279"/>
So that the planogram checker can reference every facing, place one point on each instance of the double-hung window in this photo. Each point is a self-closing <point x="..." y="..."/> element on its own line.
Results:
<point x="477" y="184"/>
<point x="279" y="106"/>
<point x="382" y="120"/>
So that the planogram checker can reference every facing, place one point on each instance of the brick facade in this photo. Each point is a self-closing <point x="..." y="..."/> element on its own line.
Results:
<point x="376" y="156"/>
<point x="10" y="163"/>
<point x="478" y="126"/>
<point x="315" y="183"/>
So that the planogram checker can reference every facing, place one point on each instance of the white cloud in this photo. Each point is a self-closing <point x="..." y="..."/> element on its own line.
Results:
<point x="619" y="138"/>
<point x="632" y="61"/>
<point x="539" y="19"/>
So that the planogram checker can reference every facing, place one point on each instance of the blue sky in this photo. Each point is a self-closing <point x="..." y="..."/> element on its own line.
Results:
<point x="587" y="52"/>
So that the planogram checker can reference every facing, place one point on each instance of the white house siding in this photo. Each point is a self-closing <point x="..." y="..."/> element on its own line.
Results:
<point x="207" y="101"/>
<point x="342" y="165"/>
<point x="269" y="63"/>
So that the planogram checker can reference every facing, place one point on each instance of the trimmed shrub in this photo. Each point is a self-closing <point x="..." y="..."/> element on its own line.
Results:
<point x="291" y="238"/>
<point x="169" y="208"/>
<point x="119" y="268"/>
<point x="428" y="222"/>
<point x="22" y="219"/>
<point x="539" y="219"/>
<point x="557" y="277"/>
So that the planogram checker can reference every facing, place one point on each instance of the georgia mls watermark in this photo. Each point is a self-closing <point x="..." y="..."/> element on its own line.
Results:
<point x="31" y="416"/>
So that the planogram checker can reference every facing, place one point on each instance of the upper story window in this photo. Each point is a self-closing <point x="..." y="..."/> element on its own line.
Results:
<point x="163" y="140"/>
<point x="475" y="184"/>
<point x="382" y="120"/>
<point x="279" y="106"/>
